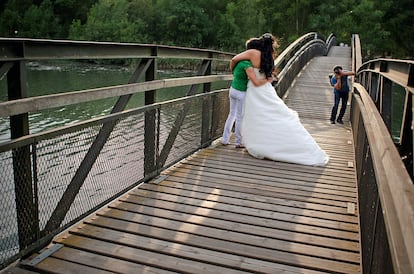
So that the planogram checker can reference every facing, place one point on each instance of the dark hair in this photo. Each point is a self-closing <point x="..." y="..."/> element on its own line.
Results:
<point x="254" y="43"/>
<point x="336" y="69"/>
<point x="266" y="58"/>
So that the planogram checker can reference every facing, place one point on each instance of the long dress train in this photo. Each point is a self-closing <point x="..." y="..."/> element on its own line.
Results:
<point x="273" y="131"/>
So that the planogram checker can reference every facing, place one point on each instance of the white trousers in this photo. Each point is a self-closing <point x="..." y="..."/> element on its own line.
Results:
<point x="235" y="116"/>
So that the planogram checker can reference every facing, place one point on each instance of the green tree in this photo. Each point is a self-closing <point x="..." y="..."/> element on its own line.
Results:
<point x="242" y="19"/>
<point x="366" y="20"/>
<point x="363" y="17"/>
<point x="11" y="19"/>
<point x="323" y="20"/>
<point x="144" y="15"/>
<point x="182" y="23"/>
<point x="229" y="33"/>
<point x="343" y="24"/>
<point x="71" y="10"/>
<point x="385" y="27"/>
<point x="398" y="21"/>
<point x="107" y="21"/>
<point x="213" y="9"/>
<point x="40" y="22"/>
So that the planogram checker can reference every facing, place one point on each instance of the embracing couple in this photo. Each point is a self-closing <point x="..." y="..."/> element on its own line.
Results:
<point x="264" y="125"/>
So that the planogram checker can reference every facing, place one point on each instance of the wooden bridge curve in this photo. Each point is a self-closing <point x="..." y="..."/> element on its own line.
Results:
<point x="223" y="211"/>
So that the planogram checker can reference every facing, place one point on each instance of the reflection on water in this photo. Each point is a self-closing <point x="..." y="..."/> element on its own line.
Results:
<point x="47" y="78"/>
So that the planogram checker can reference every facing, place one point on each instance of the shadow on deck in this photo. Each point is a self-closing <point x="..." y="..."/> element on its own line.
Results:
<point x="223" y="211"/>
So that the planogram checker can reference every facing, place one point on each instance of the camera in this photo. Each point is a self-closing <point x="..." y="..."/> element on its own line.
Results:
<point x="337" y="69"/>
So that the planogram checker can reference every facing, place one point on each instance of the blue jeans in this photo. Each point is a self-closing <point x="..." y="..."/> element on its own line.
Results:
<point x="339" y="95"/>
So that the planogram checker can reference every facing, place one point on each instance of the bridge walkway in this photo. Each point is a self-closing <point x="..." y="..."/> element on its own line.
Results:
<point x="223" y="211"/>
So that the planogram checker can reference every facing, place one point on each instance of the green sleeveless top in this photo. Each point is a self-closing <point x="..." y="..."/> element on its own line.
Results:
<point x="240" y="78"/>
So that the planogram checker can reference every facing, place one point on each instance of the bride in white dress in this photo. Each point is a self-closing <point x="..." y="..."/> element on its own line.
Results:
<point x="270" y="129"/>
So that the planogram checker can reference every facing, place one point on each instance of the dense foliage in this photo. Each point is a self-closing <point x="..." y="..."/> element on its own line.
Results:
<point x="385" y="27"/>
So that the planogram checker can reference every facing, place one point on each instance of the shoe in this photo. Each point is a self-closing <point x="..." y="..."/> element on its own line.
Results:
<point x="224" y="144"/>
<point x="340" y="121"/>
<point x="239" y="146"/>
<point x="332" y="122"/>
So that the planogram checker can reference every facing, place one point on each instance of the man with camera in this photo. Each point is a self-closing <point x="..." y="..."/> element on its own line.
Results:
<point x="341" y="90"/>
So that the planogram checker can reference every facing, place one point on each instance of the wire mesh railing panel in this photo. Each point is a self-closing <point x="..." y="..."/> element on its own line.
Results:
<point x="53" y="178"/>
<point x="118" y="167"/>
<point x="220" y="109"/>
<point x="9" y="245"/>
<point x="185" y="117"/>
<point x="55" y="163"/>
<point x="67" y="173"/>
<point x="58" y="159"/>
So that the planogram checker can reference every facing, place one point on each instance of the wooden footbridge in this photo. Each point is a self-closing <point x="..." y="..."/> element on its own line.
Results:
<point x="219" y="210"/>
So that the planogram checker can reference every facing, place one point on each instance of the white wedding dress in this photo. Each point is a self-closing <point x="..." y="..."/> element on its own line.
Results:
<point x="273" y="131"/>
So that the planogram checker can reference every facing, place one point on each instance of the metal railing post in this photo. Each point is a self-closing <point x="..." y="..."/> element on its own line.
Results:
<point x="206" y="113"/>
<point x="19" y="126"/>
<point x="150" y="139"/>
<point x="386" y="106"/>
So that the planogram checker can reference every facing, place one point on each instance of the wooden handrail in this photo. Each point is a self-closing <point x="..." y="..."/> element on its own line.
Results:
<point x="284" y="57"/>
<point x="356" y="53"/>
<point x="395" y="188"/>
<point x="31" y="104"/>
<point x="295" y="54"/>
<point x="398" y="71"/>
<point x="15" y="49"/>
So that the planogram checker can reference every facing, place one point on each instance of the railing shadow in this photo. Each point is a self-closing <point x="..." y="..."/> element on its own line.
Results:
<point x="57" y="177"/>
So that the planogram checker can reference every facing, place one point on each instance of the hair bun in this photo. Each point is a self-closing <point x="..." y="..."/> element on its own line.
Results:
<point x="267" y="36"/>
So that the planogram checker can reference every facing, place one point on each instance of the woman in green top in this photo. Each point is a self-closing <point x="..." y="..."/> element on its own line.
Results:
<point x="242" y="72"/>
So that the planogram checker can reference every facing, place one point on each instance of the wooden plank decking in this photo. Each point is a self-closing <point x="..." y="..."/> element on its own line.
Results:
<point x="223" y="211"/>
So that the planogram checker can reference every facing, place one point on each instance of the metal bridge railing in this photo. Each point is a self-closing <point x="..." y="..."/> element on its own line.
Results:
<point x="390" y="84"/>
<point x="52" y="179"/>
<point x="291" y="61"/>
<point x="381" y="116"/>
<point x="55" y="200"/>
<point x="385" y="192"/>
<point x="331" y="41"/>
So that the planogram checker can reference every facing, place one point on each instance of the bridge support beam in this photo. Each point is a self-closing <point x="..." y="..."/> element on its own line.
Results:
<point x="206" y="117"/>
<point x="26" y="208"/>
<point x="151" y="132"/>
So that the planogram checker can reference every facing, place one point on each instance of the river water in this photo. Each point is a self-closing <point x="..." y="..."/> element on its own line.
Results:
<point x="56" y="77"/>
<point x="45" y="78"/>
